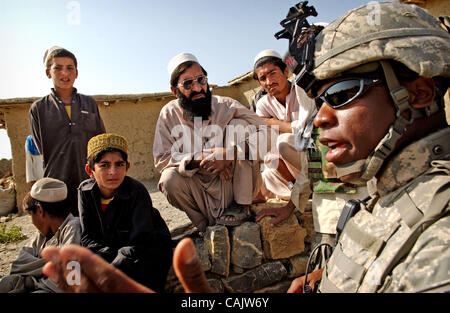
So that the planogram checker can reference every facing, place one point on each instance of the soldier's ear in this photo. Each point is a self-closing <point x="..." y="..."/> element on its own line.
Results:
<point x="422" y="92"/>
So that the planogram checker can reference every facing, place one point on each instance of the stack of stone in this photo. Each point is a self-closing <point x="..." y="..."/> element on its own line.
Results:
<point x="254" y="257"/>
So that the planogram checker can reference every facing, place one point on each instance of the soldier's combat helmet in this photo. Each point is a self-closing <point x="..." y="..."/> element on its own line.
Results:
<point x="376" y="34"/>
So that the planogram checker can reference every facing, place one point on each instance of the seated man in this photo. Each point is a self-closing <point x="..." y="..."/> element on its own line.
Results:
<point x="49" y="208"/>
<point x="280" y="108"/>
<point x="118" y="220"/>
<point x="212" y="171"/>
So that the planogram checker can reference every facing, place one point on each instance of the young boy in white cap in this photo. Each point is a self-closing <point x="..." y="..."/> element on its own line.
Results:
<point x="48" y="206"/>
<point x="118" y="220"/>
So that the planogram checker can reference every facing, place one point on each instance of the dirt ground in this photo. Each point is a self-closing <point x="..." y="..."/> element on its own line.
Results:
<point x="175" y="220"/>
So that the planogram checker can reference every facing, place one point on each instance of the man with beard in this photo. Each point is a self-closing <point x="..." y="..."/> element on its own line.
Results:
<point x="205" y="148"/>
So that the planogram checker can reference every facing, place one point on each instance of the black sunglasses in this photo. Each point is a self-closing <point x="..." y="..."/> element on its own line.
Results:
<point x="188" y="83"/>
<point x="345" y="91"/>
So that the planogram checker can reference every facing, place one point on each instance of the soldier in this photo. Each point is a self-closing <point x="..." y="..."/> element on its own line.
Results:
<point x="379" y="94"/>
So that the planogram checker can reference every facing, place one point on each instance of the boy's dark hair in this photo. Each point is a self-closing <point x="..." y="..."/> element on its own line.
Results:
<point x="269" y="59"/>
<point x="96" y="157"/>
<point x="180" y="70"/>
<point x="60" y="53"/>
<point x="57" y="209"/>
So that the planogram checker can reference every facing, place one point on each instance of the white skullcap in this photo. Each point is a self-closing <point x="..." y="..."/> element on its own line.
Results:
<point x="49" y="190"/>
<point x="48" y="51"/>
<point x="324" y="24"/>
<point x="178" y="60"/>
<point x="266" y="53"/>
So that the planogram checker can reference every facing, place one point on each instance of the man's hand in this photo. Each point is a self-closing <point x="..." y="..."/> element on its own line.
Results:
<point x="99" y="276"/>
<point x="283" y="126"/>
<point x="218" y="161"/>
<point x="297" y="284"/>
<point x="280" y="214"/>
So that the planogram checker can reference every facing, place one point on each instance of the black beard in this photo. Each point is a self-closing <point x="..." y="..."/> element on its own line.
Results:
<point x="196" y="108"/>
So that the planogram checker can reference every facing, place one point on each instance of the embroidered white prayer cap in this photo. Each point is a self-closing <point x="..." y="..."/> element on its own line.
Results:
<point x="49" y="190"/>
<point x="180" y="59"/>
<point x="266" y="53"/>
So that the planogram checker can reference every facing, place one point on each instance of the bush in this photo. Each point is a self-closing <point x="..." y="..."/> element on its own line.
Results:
<point x="14" y="233"/>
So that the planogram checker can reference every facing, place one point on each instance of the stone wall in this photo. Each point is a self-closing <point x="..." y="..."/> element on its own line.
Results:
<point x="254" y="257"/>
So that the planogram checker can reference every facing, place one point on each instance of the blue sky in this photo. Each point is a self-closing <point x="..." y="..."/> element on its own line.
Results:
<point x="123" y="47"/>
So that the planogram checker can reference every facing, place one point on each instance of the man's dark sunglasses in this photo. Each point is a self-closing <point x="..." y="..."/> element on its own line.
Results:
<point x="345" y="91"/>
<point x="188" y="83"/>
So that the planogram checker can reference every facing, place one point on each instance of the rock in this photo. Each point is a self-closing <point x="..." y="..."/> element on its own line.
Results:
<point x="284" y="240"/>
<point x="257" y="278"/>
<point x="246" y="249"/>
<point x="5" y="219"/>
<point x="281" y="287"/>
<point x="185" y="230"/>
<point x="218" y="245"/>
<point x="236" y="269"/>
<point x="216" y="285"/>
<point x="172" y="283"/>
<point x="296" y="265"/>
<point x="308" y="223"/>
<point x="203" y="254"/>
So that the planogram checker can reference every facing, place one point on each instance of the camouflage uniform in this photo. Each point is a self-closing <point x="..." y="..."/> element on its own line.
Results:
<point x="399" y="241"/>
<point x="373" y="237"/>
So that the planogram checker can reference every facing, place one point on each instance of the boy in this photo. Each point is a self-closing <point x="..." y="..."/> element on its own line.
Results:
<point x="118" y="220"/>
<point x="63" y="122"/>
<point x="48" y="206"/>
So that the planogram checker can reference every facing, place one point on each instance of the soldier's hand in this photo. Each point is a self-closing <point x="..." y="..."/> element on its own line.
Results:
<point x="297" y="284"/>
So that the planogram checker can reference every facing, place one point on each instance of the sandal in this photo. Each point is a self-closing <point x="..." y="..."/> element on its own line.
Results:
<point x="236" y="211"/>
